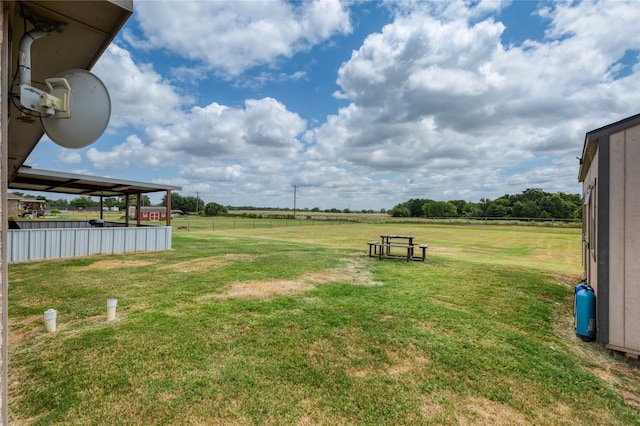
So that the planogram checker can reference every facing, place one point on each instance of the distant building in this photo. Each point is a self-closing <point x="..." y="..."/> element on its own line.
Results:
<point x="31" y="204"/>
<point x="610" y="179"/>
<point x="149" y="213"/>
<point x="13" y="205"/>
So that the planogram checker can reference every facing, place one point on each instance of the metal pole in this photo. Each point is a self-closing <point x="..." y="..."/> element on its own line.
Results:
<point x="295" y="187"/>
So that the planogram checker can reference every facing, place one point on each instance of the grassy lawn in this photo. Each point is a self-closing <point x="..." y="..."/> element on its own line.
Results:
<point x="297" y="325"/>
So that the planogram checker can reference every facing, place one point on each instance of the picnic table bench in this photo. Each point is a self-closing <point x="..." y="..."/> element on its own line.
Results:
<point x="382" y="248"/>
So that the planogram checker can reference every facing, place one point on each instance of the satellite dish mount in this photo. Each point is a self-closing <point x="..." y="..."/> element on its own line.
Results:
<point x="74" y="107"/>
<point x="56" y="101"/>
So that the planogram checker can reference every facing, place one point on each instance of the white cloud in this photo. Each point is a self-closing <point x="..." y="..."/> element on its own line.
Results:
<point x="233" y="36"/>
<point x="264" y="128"/>
<point x="442" y="96"/>
<point x="67" y="156"/>
<point x="139" y="95"/>
<point x="131" y="152"/>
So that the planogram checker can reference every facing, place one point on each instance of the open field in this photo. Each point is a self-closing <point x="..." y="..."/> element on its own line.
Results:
<point x="254" y="219"/>
<point x="297" y="325"/>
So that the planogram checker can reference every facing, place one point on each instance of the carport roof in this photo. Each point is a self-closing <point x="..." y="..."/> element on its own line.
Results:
<point x="28" y="179"/>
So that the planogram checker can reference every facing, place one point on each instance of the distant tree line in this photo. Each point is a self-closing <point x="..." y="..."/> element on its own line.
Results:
<point x="531" y="203"/>
<point x="193" y="205"/>
<point x="304" y="209"/>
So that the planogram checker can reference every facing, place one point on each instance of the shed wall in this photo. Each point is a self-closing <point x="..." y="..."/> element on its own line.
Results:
<point x="624" y="240"/>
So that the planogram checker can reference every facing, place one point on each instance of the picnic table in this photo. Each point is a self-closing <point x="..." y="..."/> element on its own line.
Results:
<point x="382" y="248"/>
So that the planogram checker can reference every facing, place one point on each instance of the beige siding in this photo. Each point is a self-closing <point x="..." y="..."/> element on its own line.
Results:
<point x="616" y="239"/>
<point x="624" y="240"/>
<point x="632" y="240"/>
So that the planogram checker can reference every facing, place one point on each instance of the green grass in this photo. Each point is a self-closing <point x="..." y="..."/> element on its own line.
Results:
<point x="298" y="325"/>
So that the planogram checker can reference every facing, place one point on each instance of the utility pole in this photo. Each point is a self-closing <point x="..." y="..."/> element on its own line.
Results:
<point x="295" y="187"/>
<point x="197" y="196"/>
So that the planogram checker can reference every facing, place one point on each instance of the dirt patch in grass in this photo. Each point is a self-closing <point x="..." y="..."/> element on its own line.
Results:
<point x="403" y="366"/>
<point x="444" y="249"/>
<point x="448" y="305"/>
<point x="105" y="265"/>
<point x="239" y="257"/>
<point x="194" y="265"/>
<point x="265" y="289"/>
<point x="431" y="408"/>
<point x="484" y="411"/>
<point x="206" y="263"/>
<point x="353" y="273"/>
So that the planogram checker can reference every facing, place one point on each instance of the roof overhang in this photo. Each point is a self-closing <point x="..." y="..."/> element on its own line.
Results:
<point x="28" y="179"/>
<point x="593" y="137"/>
<point x="90" y="28"/>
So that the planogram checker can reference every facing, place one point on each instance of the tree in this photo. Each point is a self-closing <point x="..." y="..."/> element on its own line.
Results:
<point x="110" y="202"/>
<point x="500" y="207"/>
<point x="83" y="202"/>
<point x="439" y="209"/>
<point x="532" y="202"/>
<point x="413" y="207"/>
<point x="460" y="205"/>
<point x="400" y="211"/>
<point x="60" y="202"/>
<point x="471" y="210"/>
<point x="214" y="209"/>
<point x="187" y="204"/>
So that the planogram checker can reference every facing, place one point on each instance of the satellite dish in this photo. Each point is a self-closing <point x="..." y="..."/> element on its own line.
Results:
<point x="89" y="109"/>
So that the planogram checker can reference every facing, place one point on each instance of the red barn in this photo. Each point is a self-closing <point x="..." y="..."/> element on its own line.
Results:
<point x="153" y="214"/>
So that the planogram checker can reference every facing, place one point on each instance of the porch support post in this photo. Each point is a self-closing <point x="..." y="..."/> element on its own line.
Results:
<point x="126" y="208"/>
<point x="138" y="209"/>
<point x="168" y="215"/>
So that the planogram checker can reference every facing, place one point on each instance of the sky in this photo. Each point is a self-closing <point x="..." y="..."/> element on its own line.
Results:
<point x="359" y="105"/>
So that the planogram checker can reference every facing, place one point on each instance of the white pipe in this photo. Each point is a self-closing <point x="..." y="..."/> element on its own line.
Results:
<point x="24" y="53"/>
<point x="111" y="309"/>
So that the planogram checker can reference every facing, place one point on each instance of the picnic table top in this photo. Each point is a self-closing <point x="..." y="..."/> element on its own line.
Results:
<point x="396" y="236"/>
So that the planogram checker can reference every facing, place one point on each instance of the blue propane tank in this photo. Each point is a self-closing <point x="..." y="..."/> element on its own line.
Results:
<point x="581" y="286"/>
<point x="585" y="305"/>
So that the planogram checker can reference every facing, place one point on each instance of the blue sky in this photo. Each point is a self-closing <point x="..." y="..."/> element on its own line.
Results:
<point x="361" y="105"/>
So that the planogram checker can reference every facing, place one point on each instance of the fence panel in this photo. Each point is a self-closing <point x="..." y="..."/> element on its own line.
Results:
<point x="40" y="244"/>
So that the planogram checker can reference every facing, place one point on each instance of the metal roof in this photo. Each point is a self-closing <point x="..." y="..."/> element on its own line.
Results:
<point x="28" y="179"/>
